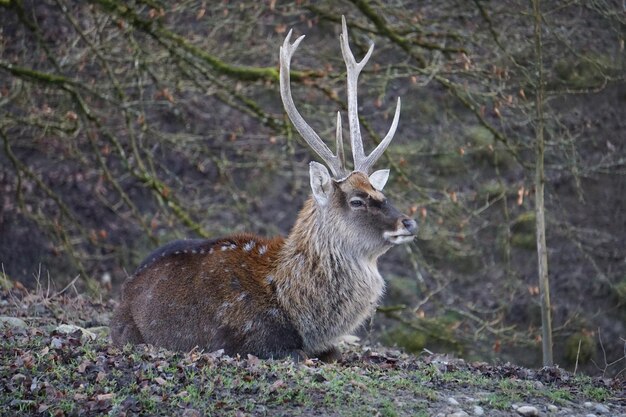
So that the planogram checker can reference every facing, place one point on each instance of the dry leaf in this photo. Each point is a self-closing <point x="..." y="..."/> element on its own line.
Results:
<point x="201" y="12"/>
<point x="276" y="385"/>
<point x="522" y="94"/>
<point x="105" y="397"/>
<point x="83" y="366"/>
<point x="496" y="346"/>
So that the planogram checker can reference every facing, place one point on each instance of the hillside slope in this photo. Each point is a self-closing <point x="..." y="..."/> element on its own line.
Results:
<point x="64" y="371"/>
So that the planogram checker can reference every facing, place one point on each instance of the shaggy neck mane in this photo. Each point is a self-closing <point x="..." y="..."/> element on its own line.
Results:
<point x="333" y="287"/>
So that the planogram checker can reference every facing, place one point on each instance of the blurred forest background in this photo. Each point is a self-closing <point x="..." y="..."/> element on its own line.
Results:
<point x="127" y="124"/>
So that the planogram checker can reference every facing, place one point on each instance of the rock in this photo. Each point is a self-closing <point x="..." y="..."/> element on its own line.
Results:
<point x="70" y="328"/>
<point x="13" y="322"/>
<point x="478" y="411"/>
<point x="350" y="340"/>
<point x="601" y="409"/>
<point x="459" y="413"/>
<point x="452" y="401"/>
<point x="100" y="331"/>
<point x="190" y="412"/>
<point x="527" y="410"/>
<point x="588" y="404"/>
<point x="552" y="408"/>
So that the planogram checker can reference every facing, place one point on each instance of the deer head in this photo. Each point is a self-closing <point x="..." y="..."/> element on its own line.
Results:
<point x="353" y="198"/>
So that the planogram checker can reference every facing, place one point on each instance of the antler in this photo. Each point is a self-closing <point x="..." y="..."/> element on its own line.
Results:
<point x="334" y="162"/>
<point x="361" y="162"/>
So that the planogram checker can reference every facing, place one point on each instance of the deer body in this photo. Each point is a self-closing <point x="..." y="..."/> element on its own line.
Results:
<point x="276" y="297"/>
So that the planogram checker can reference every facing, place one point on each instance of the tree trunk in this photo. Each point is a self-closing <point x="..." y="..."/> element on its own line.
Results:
<point x="542" y="250"/>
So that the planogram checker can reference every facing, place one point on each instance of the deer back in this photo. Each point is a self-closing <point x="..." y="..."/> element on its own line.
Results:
<point x="214" y="294"/>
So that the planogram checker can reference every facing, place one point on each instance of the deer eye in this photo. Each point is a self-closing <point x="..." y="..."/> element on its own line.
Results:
<point x="357" y="203"/>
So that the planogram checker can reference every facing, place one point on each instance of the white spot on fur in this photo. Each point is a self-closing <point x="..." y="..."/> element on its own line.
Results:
<point x="273" y="312"/>
<point x="230" y="246"/>
<point x="248" y="326"/>
<point x="194" y="251"/>
<point x="211" y="251"/>
<point x="262" y="249"/>
<point x="248" y="246"/>
<point x="222" y="309"/>
<point x="177" y="252"/>
<point x="269" y="279"/>
<point x="242" y="296"/>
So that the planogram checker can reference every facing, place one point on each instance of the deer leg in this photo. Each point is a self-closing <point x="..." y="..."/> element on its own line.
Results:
<point x="124" y="330"/>
<point x="331" y="355"/>
<point x="297" y="355"/>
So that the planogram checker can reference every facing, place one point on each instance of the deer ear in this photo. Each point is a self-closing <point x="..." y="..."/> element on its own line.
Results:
<point x="379" y="178"/>
<point x="321" y="184"/>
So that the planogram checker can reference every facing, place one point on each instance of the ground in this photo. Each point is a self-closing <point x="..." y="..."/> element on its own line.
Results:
<point x="50" y="369"/>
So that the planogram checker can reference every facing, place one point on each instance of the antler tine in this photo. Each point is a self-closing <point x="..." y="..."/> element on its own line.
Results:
<point x="339" y="142"/>
<point x="309" y="135"/>
<point x="361" y="162"/>
<point x="353" y="70"/>
<point x="369" y="162"/>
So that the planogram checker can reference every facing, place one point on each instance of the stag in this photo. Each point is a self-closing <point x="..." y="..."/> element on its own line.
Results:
<point x="293" y="296"/>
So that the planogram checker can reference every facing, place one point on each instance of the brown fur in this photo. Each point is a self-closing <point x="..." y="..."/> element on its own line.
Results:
<point x="269" y="297"/>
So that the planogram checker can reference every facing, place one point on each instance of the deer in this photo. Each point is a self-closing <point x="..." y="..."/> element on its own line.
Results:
<point x="292" y="296"/>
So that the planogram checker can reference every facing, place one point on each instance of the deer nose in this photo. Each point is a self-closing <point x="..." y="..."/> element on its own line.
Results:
<point x="410" y="225"/>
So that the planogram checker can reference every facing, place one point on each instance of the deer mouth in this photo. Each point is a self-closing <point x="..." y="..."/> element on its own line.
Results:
<point x="398" y="238"/>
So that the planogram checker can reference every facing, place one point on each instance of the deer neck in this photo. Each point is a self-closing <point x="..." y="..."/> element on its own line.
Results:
<point x="328" y="286"/>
